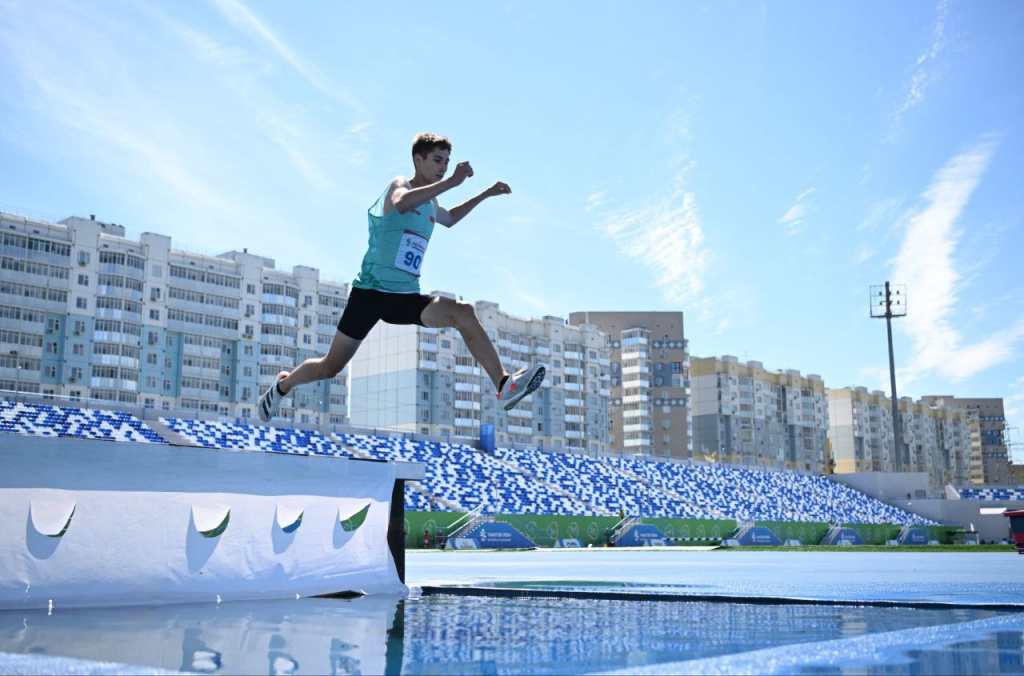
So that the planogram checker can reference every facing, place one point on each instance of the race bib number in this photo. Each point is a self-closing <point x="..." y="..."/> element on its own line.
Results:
<point x="411" y="250"/>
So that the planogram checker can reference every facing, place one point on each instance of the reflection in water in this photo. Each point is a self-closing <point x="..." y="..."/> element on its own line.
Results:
<point x="451" y="634"/>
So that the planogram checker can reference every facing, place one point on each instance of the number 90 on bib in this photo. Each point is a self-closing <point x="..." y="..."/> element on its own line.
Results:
<point x="411" y="250"/>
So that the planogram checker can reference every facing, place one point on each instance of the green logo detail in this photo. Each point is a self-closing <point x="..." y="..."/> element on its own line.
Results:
<point x="214" y="532"/>
<point x="356" y="520"/>
<point x="66" y="525"/>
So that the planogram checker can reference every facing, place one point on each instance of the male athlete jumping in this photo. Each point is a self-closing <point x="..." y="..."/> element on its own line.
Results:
<point x="387" y="287"/>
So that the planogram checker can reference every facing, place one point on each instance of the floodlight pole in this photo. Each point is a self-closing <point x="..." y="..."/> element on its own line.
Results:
<point x="896" y="427"/>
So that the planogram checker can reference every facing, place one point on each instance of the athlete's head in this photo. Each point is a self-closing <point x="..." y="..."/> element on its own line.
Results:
<point x="430" y="153"/>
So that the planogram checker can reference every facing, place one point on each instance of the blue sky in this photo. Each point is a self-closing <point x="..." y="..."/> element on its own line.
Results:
<point x="757" y="166"/>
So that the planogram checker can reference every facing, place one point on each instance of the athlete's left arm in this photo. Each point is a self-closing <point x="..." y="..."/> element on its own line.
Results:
<point x="448" y="218"/>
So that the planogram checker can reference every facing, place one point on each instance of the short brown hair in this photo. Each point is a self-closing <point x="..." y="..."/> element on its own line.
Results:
<point x="424" y="143"/>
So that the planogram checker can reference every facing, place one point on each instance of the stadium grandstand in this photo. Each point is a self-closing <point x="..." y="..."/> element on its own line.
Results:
<point x="460" y="478"/>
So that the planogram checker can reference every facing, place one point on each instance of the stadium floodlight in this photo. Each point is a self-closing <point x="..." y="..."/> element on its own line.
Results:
<point x="888" y="301"/>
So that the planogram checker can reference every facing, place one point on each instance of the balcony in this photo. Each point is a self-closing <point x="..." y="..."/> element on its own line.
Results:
<point x="520" y="429"/>
<point x="115" y="360"/>
<point x="467" y="387"/>
<point x="114" y="384"/>
<point x="427" y="365"/>
<point x="464" y="405"/>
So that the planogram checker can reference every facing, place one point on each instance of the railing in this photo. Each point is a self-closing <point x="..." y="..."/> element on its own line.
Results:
<point x="619" y="530"/>
<point x="466" y="523"/>
<point x="742" y="528"/>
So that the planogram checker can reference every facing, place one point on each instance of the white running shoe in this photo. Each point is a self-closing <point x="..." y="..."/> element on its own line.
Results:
<point x="519" y="384"/>
<point x="271" y="399"/>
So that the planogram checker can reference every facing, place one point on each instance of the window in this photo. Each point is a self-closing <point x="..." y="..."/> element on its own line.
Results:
<point x="78" y="350"/>
<point x="250" y="289"/>
<point x="83" y="280"/>
<point x="158" y="271"/>
<point x="82" y="303"/>
<point x="154" y="315"/>
<point x="151" y="358"/>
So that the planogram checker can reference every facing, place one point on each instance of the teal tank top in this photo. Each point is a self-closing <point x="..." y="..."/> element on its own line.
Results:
<point x="398" y="243"/>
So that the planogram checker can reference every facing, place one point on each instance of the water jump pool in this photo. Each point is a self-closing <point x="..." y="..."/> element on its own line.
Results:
<point x="655" y="611"/>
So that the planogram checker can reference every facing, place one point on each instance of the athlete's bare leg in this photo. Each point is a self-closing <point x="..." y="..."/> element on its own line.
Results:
<point x="445" y="312"/>
<point x="338" y="356"/>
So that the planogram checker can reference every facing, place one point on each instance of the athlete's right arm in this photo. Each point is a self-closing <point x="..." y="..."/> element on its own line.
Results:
<point x="404" y="197"/>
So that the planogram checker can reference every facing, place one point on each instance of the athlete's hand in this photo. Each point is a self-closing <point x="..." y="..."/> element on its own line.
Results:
<point x="463" y="170"/>
<point x="498" y="188"/>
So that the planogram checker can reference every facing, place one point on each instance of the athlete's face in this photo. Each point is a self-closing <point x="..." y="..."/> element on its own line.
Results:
<point x="432" y="166"/>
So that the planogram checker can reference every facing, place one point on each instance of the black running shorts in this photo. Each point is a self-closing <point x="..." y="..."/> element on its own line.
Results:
<point x="366" y="307"/>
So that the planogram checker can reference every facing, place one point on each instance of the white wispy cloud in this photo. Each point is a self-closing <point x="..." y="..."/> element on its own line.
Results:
<point x="794" y="217"/>
<point x="925" y="263"/>
<point x="595" y="200"/>
<point x="246" y="21"/>
<point x="82" y="94"/>
<point x="666" y="236"/>
<point x="927" y="68"/>
<point x="242" y="73"/>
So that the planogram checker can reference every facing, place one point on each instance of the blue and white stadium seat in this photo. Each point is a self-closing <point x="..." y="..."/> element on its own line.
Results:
<point x="994" y="493"/>
<point x="254" y="437"/>
<point x="468" y="478"/>
<point x="80" y="423"/>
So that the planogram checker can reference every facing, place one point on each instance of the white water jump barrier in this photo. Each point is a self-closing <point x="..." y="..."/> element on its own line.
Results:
<point x="96" y="523"/>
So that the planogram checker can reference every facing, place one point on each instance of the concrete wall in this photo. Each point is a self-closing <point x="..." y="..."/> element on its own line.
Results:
<point x="886" y="486"/>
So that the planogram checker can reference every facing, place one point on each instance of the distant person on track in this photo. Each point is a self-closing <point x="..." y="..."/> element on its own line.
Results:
<point x="387" y="287"/>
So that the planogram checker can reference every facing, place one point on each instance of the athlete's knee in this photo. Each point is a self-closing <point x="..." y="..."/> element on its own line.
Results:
<point x="463" y="314"/>
<point x="329" y="368"/>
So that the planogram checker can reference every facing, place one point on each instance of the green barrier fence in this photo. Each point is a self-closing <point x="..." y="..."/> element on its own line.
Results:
<point x="545" y="529"/>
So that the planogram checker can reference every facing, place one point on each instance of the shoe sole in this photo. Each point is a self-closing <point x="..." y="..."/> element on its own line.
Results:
<point x="531" y="386"/>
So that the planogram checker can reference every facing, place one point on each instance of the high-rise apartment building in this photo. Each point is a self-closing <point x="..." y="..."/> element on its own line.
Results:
<point x="989" y="458"/>
<point x="89" y="314"/>
<point x="650" y="380"/>
<point x="746" y="415"/>
<point x="425" y="380"/>
<point x="936" y="438"/>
